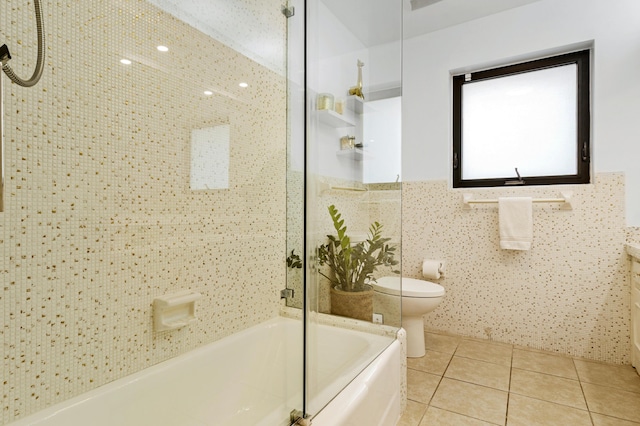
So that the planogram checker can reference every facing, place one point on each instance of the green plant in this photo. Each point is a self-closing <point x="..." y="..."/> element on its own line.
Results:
<point x="353" y="265"/>
<point x="294" y="261"/>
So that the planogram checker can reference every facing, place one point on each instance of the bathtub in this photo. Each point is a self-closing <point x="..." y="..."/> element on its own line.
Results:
<point x="250" y="378"/>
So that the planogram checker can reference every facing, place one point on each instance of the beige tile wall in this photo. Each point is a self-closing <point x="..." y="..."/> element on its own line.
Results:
<point x="100" y="218"/>
<point x="569" y="294"/>
<point x="633" y="234"/>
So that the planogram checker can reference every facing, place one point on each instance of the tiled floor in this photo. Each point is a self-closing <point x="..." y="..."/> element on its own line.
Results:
<point x="464" y="381"/>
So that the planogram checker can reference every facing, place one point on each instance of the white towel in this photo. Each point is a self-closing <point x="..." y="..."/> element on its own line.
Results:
<point x="516" y="223"/>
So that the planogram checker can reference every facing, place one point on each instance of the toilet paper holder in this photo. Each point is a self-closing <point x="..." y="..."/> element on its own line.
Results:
<point x="433" y="269"/>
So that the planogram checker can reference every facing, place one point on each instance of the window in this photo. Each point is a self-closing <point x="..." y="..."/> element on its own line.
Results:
<point x="523" y="124"/>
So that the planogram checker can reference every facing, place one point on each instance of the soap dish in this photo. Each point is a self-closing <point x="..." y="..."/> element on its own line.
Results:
<point x="176" y="310"/>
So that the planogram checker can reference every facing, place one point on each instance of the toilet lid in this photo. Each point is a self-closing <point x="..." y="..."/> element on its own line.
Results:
<point x="410" y="287"/>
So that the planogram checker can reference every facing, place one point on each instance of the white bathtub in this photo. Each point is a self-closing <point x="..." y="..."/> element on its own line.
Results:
<point x="250" y="378"/>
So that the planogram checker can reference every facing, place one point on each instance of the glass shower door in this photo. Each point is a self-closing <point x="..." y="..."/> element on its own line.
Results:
<point x="296" y="258"/>
<point x="149" y="160"/>
<point x="352" y="216"/>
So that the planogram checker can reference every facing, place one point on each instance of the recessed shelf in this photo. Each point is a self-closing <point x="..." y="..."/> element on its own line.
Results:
<point x="333" y="119"/>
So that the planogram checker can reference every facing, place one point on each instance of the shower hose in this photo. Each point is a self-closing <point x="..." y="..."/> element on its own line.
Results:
<point x="5" y="56"/>
<point x="40" y="61"/>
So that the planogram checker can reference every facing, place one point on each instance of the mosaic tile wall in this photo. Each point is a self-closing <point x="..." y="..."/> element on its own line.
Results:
<point x="633" y="234"/>
<point x="100" y="218"/>
<point x="569" y="294"/>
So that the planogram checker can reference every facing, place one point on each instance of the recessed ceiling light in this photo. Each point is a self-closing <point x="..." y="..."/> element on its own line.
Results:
<point x="163" y="48"/>
<point x="125" y="61"/>
<point x="208" y="92"/>
<point x="243" y="85"/>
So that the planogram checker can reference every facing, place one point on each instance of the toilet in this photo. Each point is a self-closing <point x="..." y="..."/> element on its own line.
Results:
<point x="418" y="298"/>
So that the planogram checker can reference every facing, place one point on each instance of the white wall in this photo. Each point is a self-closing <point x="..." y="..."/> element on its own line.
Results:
<point x="332" y="68"/>
<point x="614" y="29"/>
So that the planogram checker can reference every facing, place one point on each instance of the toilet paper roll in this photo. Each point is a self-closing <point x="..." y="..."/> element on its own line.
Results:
<point x="432" y="269"/>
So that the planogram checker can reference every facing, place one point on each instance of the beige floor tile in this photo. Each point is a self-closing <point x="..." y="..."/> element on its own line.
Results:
<point x="549" y="388"/>
<point x="612" y="402"/>
<point x="479" y="372"/>
<point x="531" y="412"/>
<point x="497" y="354"/>
<point x="471" y="400"/>
<point x="421" y="385"/>
<point x="600" y="420"/>
<point x="617" y="376"/>
<point x="486" y="340"/>
<point x="544" y="363"/>
<point x="441" y="343"/>
<point x="432" y="362"/>
<point x="464" y="381"/>
<point x="437" y="417"/>
<point x="413" y="414"/>
<point x="527" y="348"/>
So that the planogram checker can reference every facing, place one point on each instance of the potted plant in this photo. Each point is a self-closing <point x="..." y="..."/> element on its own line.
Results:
<point x="352" y="266"/>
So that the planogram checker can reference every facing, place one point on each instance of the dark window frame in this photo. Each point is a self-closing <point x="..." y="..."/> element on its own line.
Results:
<point x="583" y="142"/>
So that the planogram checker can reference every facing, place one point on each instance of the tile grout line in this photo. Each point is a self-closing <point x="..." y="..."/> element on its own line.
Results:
<point x="575" y="367"/>
<point x="506" y="413"/>
<point x="545" y="374"/>
<point x="442" y="376"/>
<point x="453" y="355"/>
<point x="439" y="381"/>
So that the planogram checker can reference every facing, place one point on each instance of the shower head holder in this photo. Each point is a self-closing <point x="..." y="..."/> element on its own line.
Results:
<point x="5" y="56"/>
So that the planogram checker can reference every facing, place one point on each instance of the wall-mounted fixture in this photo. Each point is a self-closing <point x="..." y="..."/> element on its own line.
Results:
<point x="565" y="200"/>
<point x="173" y="311"/>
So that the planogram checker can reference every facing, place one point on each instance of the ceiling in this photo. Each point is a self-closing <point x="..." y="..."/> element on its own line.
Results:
<point x="376" y="22"/>
<point x="246" y="25"/>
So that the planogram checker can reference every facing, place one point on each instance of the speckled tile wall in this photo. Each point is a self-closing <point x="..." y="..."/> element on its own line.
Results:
<point x="569" y="294"/>
<point x="100" y="218"/>
<point x="633" y="234"/>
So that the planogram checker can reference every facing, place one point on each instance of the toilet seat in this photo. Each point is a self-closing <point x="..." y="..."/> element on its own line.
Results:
<point x="411" y="287"/>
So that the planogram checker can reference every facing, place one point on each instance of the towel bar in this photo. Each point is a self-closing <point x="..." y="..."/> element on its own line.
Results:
<point x="467" y="200"/>
<point x="324" y="187"/>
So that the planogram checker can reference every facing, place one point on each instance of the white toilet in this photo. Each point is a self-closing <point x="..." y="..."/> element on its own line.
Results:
<point x="418" y="298"/>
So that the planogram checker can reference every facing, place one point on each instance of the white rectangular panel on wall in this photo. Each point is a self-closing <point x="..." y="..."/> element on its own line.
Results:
<point x="210" y="157"/>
